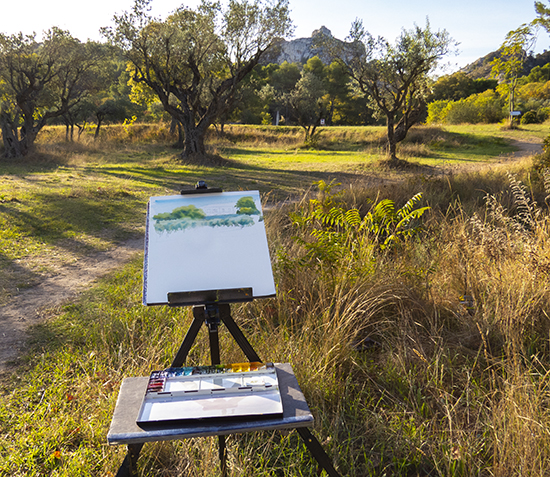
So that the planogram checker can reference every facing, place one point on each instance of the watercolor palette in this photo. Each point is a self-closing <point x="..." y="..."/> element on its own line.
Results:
<point x="204" y="392"/>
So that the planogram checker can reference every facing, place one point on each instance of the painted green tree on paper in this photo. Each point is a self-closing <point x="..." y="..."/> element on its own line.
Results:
<point x="186" y="211"/>
<point x="190" y="216"/>
<point x="246" y="206"/>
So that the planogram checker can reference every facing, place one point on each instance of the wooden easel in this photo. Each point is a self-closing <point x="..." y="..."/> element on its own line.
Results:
<point x="211" y="308"/>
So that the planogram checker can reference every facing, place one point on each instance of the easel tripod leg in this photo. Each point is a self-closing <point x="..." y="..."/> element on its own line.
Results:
<point x="188" y="341"/>
<point x="238" y="336"/>
<point x="129" y="465"/>
<point x="223" y="456"/>
<point x="317" y="451"/>
<point x="213" y="321"/>
<point x="214" y="340"/>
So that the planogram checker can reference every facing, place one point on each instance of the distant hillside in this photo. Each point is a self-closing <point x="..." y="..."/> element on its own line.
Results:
<point x="481" y="68"/>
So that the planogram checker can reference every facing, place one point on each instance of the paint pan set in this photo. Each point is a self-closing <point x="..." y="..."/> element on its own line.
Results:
<point x="202" y="392"/>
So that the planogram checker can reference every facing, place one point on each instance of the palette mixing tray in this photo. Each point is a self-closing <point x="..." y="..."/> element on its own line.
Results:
<point x="205" y="392"/>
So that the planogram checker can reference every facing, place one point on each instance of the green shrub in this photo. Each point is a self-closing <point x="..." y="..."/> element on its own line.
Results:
<point x="542" y="161"/>
<point x="437" y="110"/>
<point x="530" y="117"/>
<point x="484" y="107"/>
<point x="543" y="113"/>
<point x="462" y="111"/>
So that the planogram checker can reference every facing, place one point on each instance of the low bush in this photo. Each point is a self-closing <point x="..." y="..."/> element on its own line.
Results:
<point x="486" y="107"/>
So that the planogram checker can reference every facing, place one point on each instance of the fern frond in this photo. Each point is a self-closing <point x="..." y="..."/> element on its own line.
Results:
<point x="384" y="211"/>
<point x="412" y="215"/>
<point x="334" y="217"/>
<point x="408" y="207"/>
<point x="352" y="218"/>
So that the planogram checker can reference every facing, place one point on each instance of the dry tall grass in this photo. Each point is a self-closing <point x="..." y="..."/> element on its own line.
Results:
<point x="419" y="139"/>
<point x="405" y="378"/>
<point x="405" y="375"/>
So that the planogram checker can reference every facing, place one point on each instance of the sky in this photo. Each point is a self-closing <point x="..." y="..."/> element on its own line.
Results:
<point x="479" y="26"/>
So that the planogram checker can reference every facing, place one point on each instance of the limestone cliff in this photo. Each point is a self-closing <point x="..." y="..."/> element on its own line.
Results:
<point x="302" y="49"/>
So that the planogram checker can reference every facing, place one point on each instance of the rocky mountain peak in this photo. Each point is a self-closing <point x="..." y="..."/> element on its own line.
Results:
<point x="322" y="31"/>
<point x="301" y="49"/>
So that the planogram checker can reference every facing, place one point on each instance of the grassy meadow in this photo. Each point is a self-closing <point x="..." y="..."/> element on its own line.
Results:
<point x="423" y="349"/>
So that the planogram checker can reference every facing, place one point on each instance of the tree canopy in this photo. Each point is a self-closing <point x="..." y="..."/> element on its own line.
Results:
<point x="208" y="65"/>
<point x="195" y="60"/>
<point x="508" y="66"/>
<point x="543" y="15"/>
<point x="459" y="86"/>
<point x="40" y="81"/>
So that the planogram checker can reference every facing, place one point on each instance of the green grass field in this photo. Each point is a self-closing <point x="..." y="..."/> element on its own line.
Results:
<point x="402" y="378"/>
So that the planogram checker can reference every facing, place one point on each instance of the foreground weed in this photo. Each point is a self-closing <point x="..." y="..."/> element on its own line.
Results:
<point x="332" y="233"/>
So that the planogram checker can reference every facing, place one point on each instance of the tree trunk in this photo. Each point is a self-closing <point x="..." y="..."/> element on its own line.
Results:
<point x="397" y="133"/>
<point x="512" y="89"/>
<point x="392" y="143"/>
<point x="181" y="137"/>
<point x="306" y="131"/>
<point x="12" y="148"/>
<point x="19" y="141"/>
<point x="175" y="126"/>
<point x="194" y="141"/>
<point x="330" y="113"/>
<point x="310" y="134"/>
<point x="99" y="119"/>
<point x="409" y="119"/>
<point x="81" y="129"/>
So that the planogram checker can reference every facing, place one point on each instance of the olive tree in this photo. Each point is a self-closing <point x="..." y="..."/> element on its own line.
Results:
<point x="543" y="16"/>
<point x="196" y="58"/>
<point x="508" y="66"/>
<point x="39" y="81"/>
<point x="308" y="103"/>
<point x="394" y="76"/>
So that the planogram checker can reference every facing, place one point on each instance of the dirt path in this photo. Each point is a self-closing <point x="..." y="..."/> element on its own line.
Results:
<point x="30" y="306"/>
<point x="525" y="148"/>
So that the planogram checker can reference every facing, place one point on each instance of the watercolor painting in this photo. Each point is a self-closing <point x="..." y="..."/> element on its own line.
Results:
<point x="202" y="242"/>
<point x="187" y="216"/>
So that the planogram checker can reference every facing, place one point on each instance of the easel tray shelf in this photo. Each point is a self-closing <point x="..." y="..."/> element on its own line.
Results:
<point x="125" y="429"/>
